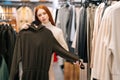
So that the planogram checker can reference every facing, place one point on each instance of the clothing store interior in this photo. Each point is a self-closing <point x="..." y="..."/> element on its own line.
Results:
<point x="50" y="51"/>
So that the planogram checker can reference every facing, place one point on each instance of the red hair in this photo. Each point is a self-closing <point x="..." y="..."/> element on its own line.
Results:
<point x="47" y="11"/>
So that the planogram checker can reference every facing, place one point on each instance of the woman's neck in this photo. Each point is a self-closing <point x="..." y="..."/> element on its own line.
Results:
<point x="48" y="24"/>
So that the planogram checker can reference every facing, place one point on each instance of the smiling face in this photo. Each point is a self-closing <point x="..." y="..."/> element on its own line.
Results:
<point x="43" y="16"/>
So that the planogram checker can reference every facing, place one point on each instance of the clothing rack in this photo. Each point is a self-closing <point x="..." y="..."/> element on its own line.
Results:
<point x="96" y="2"/>
<point x="4" y="20"/>
<point x="2" y="16"/>
<point x="23" y="3"/>
<point x="77" y="4"/>
<point x="33" y="4"/>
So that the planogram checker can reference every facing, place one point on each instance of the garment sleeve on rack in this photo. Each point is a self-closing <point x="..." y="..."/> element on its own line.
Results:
<point x="10" y="44"/>
<point x="16" y="59"/>
<point x="82" y="38"/>
<point x="62" y="52"/>
<point x="63" y="13"/>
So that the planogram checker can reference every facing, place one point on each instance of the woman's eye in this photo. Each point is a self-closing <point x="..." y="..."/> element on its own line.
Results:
<point x="39" y="15"/>
<point x="44" y="13"/>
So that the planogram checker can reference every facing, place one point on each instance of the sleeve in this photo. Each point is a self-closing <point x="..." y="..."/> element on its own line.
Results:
<point x="15" y="61"/>
<point x="62" y="52"/>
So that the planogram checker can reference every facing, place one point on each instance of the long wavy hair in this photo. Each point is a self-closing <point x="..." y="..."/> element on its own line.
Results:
<point x="47" y="11"/>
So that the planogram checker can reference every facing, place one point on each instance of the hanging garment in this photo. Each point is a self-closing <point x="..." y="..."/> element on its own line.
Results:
<point x="97" y="21"/>
<point x="36" y="56"/>
<point x="4" y="74"/>
<point x="63" y="12"/>
<point x="106" y="66"/>
<point x="81" y="46"/>
<point x="7" y="42"/>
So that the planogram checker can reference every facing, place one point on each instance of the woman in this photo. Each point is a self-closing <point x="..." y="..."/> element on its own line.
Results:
<point x="43" y="16"/>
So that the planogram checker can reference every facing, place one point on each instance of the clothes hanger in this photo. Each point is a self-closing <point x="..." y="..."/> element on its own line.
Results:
<point x="68" y="3"/>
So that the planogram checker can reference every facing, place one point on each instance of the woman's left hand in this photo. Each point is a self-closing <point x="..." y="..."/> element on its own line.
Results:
<point x="80" y="64"/>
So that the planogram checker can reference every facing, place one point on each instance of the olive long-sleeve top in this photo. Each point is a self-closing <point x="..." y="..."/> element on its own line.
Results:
<point x="34" y="47"/>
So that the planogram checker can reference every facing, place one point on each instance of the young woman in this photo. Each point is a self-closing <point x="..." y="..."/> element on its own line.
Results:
<point x="43" y="16"/>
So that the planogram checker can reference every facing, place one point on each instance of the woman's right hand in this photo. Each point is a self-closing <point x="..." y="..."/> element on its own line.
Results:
<point x="25" y="26"/>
